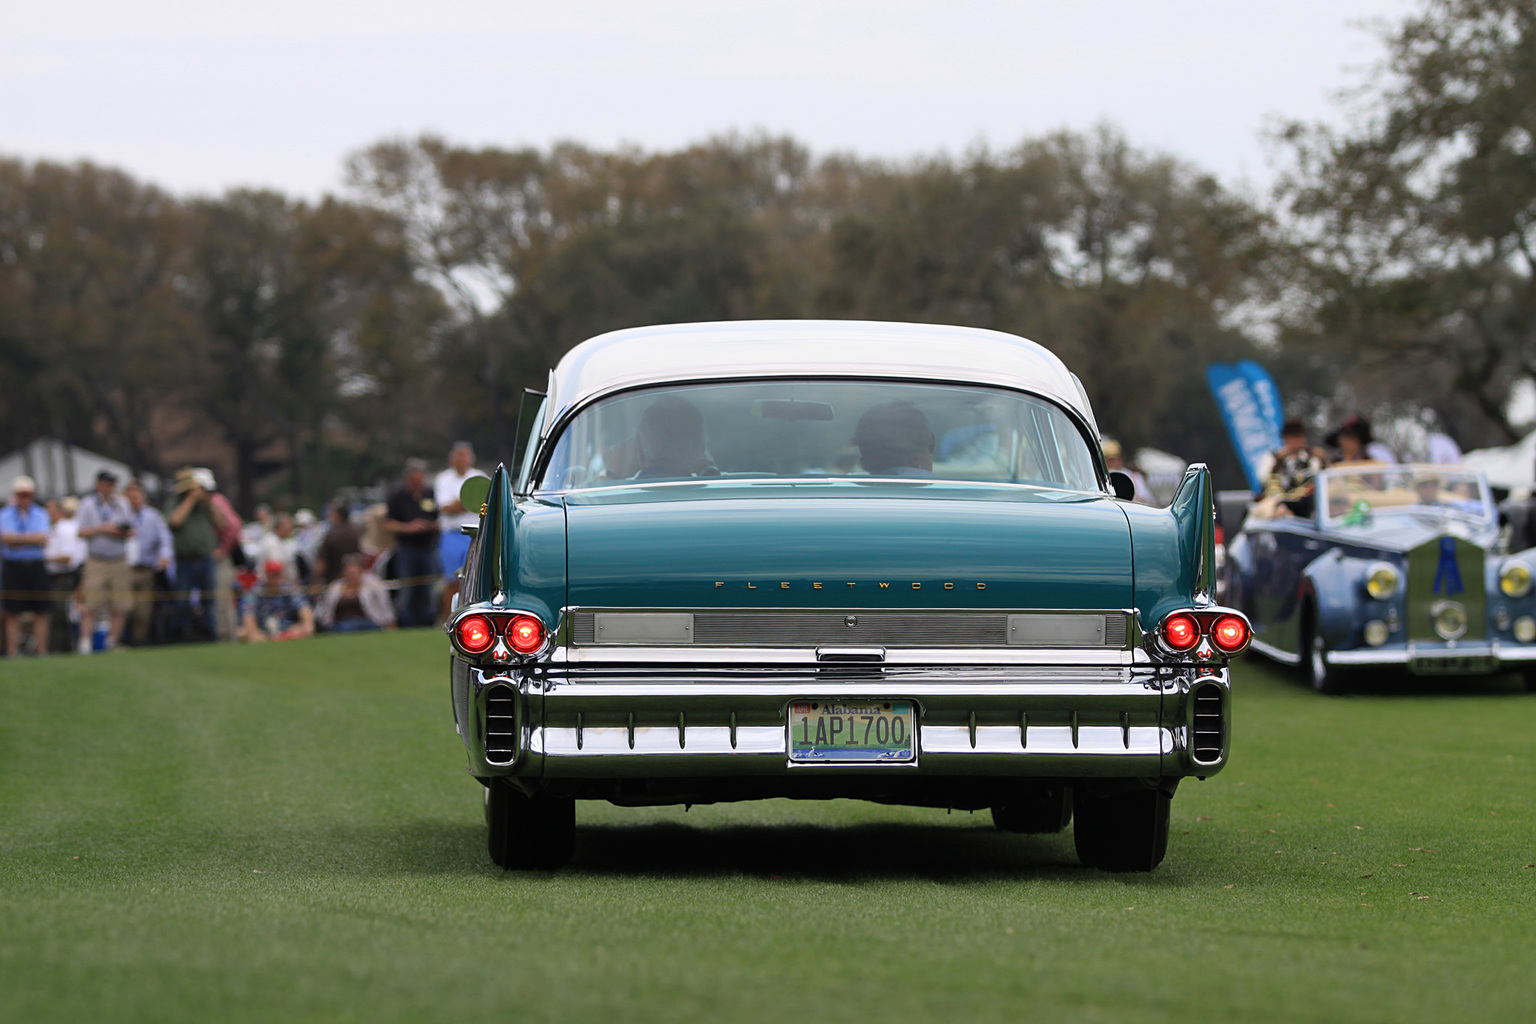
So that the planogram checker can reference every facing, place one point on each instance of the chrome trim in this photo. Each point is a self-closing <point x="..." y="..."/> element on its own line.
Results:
<point x="685" y="658"/>
<point x="1057" y="690"/>
<point x="500" y="654"/>
<point x="1498" y="651"/>
<point x="993" y="741"/>
<point x="1275" y="653"/>
<point x="898" y="628"/>
<point x="642" y="627"/>
<point x="1223" y="724"/>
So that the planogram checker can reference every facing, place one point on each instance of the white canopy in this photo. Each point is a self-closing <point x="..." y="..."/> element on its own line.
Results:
<point x="61" y="468"/>
<point x="1513" y="467"/>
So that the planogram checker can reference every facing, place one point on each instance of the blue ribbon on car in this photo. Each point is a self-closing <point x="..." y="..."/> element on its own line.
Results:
<point x="1448" y="573"/>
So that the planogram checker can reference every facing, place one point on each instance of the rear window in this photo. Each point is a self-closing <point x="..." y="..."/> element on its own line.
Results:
<point x="821" y="428"/>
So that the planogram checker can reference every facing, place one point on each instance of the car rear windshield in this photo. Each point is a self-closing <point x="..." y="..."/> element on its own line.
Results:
<point x="821" y="428"/>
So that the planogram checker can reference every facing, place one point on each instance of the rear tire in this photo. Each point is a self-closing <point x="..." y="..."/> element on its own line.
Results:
<point x="529" y="832"/>
<point x="1122" y="831"/>
<point x="1038" y="814"/>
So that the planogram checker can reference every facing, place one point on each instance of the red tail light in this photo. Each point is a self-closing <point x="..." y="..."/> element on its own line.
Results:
<point x="475" y="634"/>
<point x="1181" y="632"/>
<point x="1229" y="634"/>
<point x="526" y="634"/>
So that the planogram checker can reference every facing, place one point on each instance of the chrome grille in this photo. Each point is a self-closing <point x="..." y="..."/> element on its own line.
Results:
<point x="500" y="724"/>
<point x="866" y="628"/>
<point x="1208" y="727"/>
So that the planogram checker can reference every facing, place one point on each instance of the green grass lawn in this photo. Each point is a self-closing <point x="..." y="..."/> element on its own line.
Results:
<point x="287" y="833"/>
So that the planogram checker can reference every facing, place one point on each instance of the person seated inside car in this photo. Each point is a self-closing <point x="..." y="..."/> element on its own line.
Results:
<point x="671" y="441"/>
<point x="894" y="439"/>
<point x="1435" y="493"/>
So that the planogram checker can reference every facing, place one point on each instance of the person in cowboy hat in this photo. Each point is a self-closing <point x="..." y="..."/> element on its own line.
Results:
<point x="196" y="526"/>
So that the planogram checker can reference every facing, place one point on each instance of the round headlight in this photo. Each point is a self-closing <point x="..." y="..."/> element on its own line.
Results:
<point x="1381" y="581"/>
<point x="1450" y="619"/>
<point x="1515" y="580"/>
<point x="1376" y="632"/>
<point x="1525" y="629"/>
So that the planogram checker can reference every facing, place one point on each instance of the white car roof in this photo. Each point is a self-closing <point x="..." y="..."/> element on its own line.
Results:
<point x="737" y="349"/>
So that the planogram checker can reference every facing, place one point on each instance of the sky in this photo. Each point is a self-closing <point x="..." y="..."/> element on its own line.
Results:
<point x="206" y="95"/>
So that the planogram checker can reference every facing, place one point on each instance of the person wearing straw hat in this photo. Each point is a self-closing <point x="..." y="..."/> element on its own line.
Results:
<point x="196" y="525"/>
<point x="24" y="529"/>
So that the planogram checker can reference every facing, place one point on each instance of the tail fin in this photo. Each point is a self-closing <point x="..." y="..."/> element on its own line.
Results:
<point x="492" y="563"/>
<point x="1194" y="509"/>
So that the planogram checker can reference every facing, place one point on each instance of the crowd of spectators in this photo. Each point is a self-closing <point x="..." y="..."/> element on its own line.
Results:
<point x="109" y="569"/>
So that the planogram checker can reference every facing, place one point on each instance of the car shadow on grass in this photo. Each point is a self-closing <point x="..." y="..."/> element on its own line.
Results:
<point x="1396" y="683"/>
<point x="823" y="852"/>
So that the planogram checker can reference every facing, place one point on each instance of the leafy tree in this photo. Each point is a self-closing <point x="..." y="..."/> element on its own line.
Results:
<point x="1130" y="266"/>
<point x="91" y="278"/>
<point x="1415" y="230"/>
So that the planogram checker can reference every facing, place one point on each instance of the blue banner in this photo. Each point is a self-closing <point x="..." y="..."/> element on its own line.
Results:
<point x="1250" y="407"/>
<point x="1268" y="397"/>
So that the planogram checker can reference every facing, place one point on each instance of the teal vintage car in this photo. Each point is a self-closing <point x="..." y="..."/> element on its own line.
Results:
<point x="825" y="559"/>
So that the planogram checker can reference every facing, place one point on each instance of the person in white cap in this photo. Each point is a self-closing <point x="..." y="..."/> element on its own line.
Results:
<point x="24" y="527"/>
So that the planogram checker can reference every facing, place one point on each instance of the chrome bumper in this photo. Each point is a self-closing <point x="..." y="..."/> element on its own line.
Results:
<point x="648" y="719"/>
<point x="1497" y="653"/>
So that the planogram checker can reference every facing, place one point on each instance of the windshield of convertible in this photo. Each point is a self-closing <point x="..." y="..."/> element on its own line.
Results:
<point x="821" y="429"/>
<point x="1357" y="495"/>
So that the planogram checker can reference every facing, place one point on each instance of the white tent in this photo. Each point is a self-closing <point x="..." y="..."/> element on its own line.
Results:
<point x="1513" y="467"/>
<point x="61" y="468"/>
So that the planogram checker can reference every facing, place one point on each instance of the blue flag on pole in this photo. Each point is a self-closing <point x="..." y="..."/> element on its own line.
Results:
<point x="1250" y="407"/>
<point x="1267" y="395"/>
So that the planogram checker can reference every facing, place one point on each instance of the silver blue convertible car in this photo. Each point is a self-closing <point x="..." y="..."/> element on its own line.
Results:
<point x="834" y="559"/>
<point x="1395" y="567"/>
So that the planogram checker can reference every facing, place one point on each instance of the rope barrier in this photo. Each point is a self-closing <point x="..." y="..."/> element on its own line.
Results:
<point x="78" y="593"/>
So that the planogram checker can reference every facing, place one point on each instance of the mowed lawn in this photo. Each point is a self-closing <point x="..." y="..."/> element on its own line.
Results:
<point x="287" y="833"/>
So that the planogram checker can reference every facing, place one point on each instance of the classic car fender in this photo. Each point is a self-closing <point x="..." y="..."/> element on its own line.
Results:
<point x="517" y="559"/>
<point x="1334" y="584"/>
<point x="1174" y="549"/>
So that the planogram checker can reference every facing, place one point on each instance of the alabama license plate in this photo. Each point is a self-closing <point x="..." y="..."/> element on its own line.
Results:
<point x="852" y="732"/>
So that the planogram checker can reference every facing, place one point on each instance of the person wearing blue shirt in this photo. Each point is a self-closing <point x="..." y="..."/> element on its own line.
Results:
<point x="151" y="561"/>
<point x="24" y="529"/>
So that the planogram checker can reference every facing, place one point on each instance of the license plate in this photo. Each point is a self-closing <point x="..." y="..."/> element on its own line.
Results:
<point x="1452" y="665"/>
<point x="852" y="732"/>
